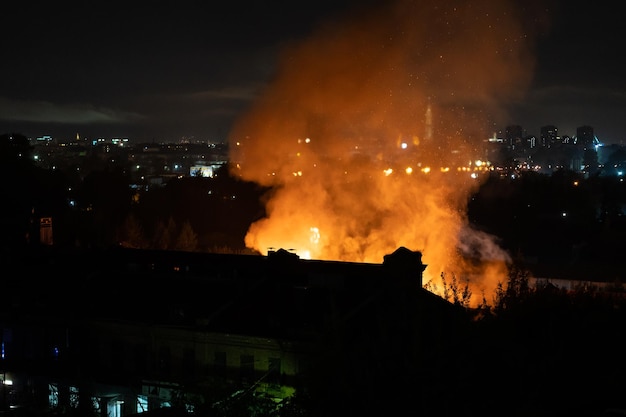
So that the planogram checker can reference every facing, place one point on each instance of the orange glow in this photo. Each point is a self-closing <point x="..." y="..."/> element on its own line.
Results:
<point x="408" y="84"/>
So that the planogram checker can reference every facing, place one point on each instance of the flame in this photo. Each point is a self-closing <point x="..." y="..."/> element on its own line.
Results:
<point x="357" y="132"/>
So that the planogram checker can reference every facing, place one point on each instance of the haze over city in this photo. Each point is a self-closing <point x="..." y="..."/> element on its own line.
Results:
<point x="169" y="72"/>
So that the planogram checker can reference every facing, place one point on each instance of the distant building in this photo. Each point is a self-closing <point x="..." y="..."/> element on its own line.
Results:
<point x="514" y="135"/>
<point x="549" y="136"/>
<point x="585" y="137"/>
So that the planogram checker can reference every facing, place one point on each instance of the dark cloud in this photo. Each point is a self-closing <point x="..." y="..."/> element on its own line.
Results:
<point x="97" y="65"/>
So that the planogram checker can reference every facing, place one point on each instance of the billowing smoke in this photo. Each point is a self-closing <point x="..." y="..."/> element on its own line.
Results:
<point x="372" y="128"/>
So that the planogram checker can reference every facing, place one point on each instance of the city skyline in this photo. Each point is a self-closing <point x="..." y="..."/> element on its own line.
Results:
<point x="122" y="140"/>
<point x="174" y="72"/>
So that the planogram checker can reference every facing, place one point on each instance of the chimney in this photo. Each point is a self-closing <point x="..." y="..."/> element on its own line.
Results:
<point x="405" y="266"/>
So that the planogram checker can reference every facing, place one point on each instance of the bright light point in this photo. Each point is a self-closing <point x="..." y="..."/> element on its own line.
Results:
<point x="409" y="170"/>
<point x="474" y="175"/>
<point x="388" y="171"/>
<point x="404" y="145"/>
<point x="564" y="214"/>
<point x="306" y="255"/>
<point x="426" y="170"/>
<point x="307" y="140"/>
<point x="445" y="169"/>
<point x="575" y="183"/>
<point x="478" y="163"/>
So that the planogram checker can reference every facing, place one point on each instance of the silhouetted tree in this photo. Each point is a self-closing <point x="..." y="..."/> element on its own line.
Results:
<point x="15" y="148"/>
<point x="165" y="234"/>
<point x="514" y="292"/>
<point x="29" y="193"/>
<point x="131" y="234"/>
<point x="105" y="200"/>
<point x="187" y="239"/>
<point x="452" y="291"/>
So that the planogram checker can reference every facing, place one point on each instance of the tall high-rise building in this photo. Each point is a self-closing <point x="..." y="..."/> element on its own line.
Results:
<point x="585" y="137"/>
<point x="549" y="136"/>
<point x="513" y="135"/>
<point x="586" y="140"/>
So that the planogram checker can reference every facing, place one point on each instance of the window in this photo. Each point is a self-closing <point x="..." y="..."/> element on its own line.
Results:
<point x="140" y="362"/>
<point x="95" y="405"/>
<point x="142" y="403"/>
<point x="74" y="397"/>
<point x="219" y="364"/>
<point x="53" y="395"/>
<point x="114" y="408"/>
<point x="273" y="371"/>
<point x="117" y="355"/>
<point x="246" y="369"/>
<point x="164" y="360"/>
<point x="189" y="363"/>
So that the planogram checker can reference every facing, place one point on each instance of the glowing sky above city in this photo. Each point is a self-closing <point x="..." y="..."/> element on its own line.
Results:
<point x="163" y="72"/>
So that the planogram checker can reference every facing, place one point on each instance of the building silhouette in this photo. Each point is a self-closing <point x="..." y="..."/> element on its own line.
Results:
<point x="129" y="330"/>
<point x="549" y="136"/>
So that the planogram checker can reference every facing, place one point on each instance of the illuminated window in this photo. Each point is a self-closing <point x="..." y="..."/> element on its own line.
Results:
<point x="114" y="408"/>
<point x="142" y="403"/>
<point x="74" y="397"/>
<point x="95" y="404"/>
<point x="53" y="395"/>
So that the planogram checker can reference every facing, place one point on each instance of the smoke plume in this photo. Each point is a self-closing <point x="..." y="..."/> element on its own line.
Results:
<point x="370" y="131"/>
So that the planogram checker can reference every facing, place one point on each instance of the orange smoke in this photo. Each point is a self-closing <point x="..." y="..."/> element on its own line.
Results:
<point x="371" y="127"/>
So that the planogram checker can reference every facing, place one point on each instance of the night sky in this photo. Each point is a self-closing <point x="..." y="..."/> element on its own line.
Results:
<point x="191" y="69"/>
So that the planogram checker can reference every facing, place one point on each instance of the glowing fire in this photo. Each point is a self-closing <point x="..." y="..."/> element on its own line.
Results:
<point x="359" y="130"/>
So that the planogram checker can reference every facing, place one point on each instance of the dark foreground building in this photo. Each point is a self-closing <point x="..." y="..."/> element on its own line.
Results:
<point x="121" y="332"/>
